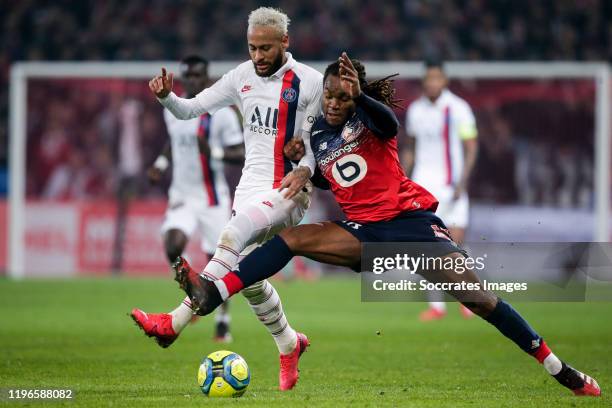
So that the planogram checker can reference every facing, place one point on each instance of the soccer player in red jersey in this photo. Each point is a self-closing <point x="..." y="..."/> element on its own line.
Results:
<point x="356" y="152"/>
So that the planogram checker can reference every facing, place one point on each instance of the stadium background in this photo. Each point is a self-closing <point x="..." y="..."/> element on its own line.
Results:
<point x="533" y="180"/>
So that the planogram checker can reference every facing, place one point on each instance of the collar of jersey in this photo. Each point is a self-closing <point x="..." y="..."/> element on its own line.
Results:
<point x="288" y="65"/>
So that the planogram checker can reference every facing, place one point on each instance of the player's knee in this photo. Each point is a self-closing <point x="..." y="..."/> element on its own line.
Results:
<point x="290" y="237"/>
<point x="230" y="237"/>
<point x="296" y="241"/>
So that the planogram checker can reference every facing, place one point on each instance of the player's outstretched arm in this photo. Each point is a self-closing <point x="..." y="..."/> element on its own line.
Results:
<point x="377" y="117"/>
<point x="181" y="108"/>
<point x="161" y="85"/>
<point x="222" y="93"/>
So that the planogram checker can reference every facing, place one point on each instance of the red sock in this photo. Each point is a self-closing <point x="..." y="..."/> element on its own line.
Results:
<point x="542" y="352"/>
<point x="232" y="283"/>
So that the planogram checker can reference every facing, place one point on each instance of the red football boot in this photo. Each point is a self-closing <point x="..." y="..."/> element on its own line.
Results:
<point x="289" y="373"/>
<point x="590" y="388"/>
<point x="579" y="383"/>
<point x="158" y="325"/>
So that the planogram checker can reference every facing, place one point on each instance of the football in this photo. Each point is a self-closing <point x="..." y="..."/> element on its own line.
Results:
<point x="223" y="374"/>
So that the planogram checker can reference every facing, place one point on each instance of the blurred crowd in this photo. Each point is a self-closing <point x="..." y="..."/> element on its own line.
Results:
<point x="384" y="30"/>
<point x="86" y="137"/>
<point x="537" y="152"/>
<point x="89" y="137"/>
<point x="32" y="30"/>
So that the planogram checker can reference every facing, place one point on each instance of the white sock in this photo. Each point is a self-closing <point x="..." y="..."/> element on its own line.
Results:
<point x="221" y="263"/>
<point x="552" y="364"/>
<point x="266" y="304"/>
<point x="181" y="316"/>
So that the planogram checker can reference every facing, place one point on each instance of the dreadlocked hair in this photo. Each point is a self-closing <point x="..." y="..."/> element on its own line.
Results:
<point x="382" y="89"/>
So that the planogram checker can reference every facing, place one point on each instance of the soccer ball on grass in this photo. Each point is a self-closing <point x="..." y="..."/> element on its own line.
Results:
<point x="223" y="374"/>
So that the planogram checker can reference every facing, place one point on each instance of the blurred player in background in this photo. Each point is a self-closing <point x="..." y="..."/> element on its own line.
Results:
<point x="278" y="98"/>
<point x="441" y="154"/>
<point x="199" y="197"/>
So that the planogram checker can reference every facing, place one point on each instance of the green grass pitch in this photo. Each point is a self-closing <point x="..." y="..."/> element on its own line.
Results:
<point x="76" y="334"/>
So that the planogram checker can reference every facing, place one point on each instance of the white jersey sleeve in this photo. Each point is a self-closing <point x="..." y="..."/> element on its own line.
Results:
<point x="312" y="111"/>
<point x="226" y="128"/>
<point x="222" y="93"/>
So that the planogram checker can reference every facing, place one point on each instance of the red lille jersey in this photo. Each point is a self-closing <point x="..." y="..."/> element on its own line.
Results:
<point x="364" y="172"/>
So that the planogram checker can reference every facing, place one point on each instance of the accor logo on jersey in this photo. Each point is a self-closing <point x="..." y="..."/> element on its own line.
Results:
<point x="264" y="121"/>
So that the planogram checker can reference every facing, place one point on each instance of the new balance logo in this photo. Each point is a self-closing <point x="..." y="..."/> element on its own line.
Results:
<point x="246" y="88"/>
<point x="269" y="204"/>
<point x="323" y="146"/>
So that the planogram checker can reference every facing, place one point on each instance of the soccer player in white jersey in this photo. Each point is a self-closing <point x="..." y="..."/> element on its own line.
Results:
<point x="441" y="154"/>
<point x="198" y="195"/>
<point x="278" y="98"/>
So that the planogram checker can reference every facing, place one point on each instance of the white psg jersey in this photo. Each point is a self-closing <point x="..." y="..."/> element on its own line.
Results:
<point x="195" y="176"/>
<point x="439" y="129"/>
<point x="274" y="109"/>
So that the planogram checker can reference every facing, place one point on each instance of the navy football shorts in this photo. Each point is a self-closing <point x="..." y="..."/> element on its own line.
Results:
<point x="412" y="226"/>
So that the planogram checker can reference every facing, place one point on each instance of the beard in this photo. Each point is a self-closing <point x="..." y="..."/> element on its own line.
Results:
<point x="275" y="66"/>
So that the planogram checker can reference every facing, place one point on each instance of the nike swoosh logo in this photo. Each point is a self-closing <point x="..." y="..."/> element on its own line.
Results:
<point x="316" y="132"/>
